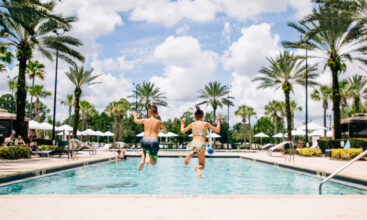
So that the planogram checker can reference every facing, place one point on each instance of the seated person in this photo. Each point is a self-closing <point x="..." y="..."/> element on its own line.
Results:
<point x="9" y="141"/>
<point x="33" y="136"/>
<point x="120" y="155"/>
<point x="20" y="141"/>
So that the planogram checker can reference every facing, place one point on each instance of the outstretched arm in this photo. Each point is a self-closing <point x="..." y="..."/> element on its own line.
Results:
<point x="163" y="127"/>
<point x="183" y="129"/>
<point x="215" y="129"/>
<point x="136" y="119"/>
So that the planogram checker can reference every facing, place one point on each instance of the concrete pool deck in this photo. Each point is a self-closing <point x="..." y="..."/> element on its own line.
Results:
<point x="91" y="207"/>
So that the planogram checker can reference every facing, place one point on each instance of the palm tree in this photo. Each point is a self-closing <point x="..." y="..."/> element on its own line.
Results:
<point x="251" y="112"/>
<point x="345" y="94"/>
<point x="34" y="69"/>
<point x="285" y="70"/>
<point x="148" y="94"/>
<point x="12" y="84"/>
<point x="356" y="86"/>
<point x="332" y="32"/>
<point x="27" y="29"/>
<point x="69" y="101"/>
<point x="282" y="110"/>
<point x="322" y="93"/>
<point x="294" y="107"/>
<point x="244" y="111"/>
<point x="112" y="109"/>
<point x="5" y="56"/>
<point x="216" y="95"/>
<point x="272" y="109"/>
<point x="87" y="110"/>
<point x="122" y="106"/>
<point x="79" y="77"/>
<point x="38" y="92"/>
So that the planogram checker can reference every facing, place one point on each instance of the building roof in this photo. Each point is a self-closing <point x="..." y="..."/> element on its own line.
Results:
<point x="357" y="118"/>
<point x="6" y="115"/>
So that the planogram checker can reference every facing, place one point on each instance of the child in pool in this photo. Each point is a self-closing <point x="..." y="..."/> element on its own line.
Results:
<point x="199" y="130"/>
<point x="150" y="143"/>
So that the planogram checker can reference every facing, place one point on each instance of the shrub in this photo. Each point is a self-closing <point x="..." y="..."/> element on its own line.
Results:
<point x="346" y="153"/>
<point x="358" y="143"/>
<point x="309" y="152"/>
<point x="46" y="147"/>
<point x="290" y="151"/>
<point x="329" y="144"/>
<point x="14" y="152"/>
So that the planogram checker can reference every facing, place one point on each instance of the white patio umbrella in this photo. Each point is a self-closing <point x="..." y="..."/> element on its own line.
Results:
<point x="171" y="134"/>
<point x="108" y="134"/>
<point x="140" y="134"/>
<point x="261" y="136"/>
<point x="212" y="135"/>
<point x="99" y="134"/>
<point x="89" y="132"/>
<point x="45" y="126"/>
<point x="279" y="135"/>
<point x="34" y="125"/>
<point x="78" y="133"/>
<point x="64" y="128"/>
<point x="298" y="133"/>
<point x="312" y="127"/>
<point x="320" y="133"/>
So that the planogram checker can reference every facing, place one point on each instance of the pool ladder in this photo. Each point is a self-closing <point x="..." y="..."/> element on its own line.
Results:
<point x="341" y="169"/>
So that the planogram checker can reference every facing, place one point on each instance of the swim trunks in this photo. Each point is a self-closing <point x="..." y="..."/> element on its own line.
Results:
<point x="150" y="146"/>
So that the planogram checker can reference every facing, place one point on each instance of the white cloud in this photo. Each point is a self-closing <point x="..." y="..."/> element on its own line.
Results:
<point x="110" y="64"/>
<point x="183" y="30"/>
<point x="187" y="69"/>
<point x="227" y="30"/>
<point x="248" y="54"/>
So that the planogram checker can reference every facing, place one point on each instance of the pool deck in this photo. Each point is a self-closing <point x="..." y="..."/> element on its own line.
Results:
<point x="92" y="207"/>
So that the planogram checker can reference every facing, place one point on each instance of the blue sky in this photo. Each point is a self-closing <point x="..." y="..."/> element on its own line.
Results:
<point x="180" y="46"/>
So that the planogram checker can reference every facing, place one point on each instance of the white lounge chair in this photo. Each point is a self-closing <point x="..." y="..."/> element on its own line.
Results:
<point x="84" y="145"/>
<point x="266" y="146"/>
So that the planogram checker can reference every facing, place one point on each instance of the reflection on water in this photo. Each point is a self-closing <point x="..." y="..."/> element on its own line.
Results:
<point x="102" y="186"/>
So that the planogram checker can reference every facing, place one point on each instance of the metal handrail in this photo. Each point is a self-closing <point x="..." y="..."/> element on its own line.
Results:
<point x="341" y="169"/>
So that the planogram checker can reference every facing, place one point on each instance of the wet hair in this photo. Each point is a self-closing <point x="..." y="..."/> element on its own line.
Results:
<point x="119" y="151"/>
<point x="153" y="109"/>
<point x="198" y="113"/>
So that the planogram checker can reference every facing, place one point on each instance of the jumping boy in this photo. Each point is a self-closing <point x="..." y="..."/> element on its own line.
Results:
<point x="150" y="144"/>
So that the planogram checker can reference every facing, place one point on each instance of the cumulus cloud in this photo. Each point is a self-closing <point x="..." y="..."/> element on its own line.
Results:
<point x="111" y="64"/>
<point x="248" y="54"/>
<point x="183" y="30"/>
<point x="227" y="30"/>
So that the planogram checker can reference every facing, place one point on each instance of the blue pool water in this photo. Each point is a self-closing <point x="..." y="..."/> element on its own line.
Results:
<point x="222" y="176"/>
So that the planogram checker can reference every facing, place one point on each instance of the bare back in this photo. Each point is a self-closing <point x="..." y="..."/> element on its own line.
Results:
<point x="152" y="127"/>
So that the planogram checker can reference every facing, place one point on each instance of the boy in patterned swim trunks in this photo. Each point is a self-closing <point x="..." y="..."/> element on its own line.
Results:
<point x="150" y="143"/>
<point x="200" y="131"/>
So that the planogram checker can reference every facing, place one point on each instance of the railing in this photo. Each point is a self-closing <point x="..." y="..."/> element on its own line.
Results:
<point x="341" y="169"/>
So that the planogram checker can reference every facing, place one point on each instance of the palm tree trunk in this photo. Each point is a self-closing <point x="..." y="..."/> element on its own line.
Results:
<point x="77" y="94"/>
<point x="214" y="114"/>
<point x="342" y="111"/>
<point x="336" y="103"/>
<point x="244" y="131"/>
<point x="120" y="129"/>
<point x="288" y="114"/>
<point x="283" y="125"/>
<point x="114" y="129"/>
<point x="325" y="109"/>
<point x="70" y="109"/>
<point x="356" y="104"/>
<point x="37" y="108"/>
<point x="21" y="93"/>
<point x="30" y="106"/>
<point x="275" y="121"/>
<point x="250" y="132"/>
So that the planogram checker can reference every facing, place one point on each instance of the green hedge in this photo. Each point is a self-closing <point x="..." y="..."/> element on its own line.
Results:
<point x="346" y="153"/>
<point x="46" y="147"/>
<point x="358" y="143"/>
<point x="14" y="152"/>
<point x="309" y="152"/>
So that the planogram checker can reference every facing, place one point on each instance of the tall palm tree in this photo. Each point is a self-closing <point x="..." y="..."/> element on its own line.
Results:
<point x="80" y="77"/>
<point x="345" y="94"/>
<point x="27" y="29"/>
<point x="12" y="84"/>
<point x="5" y="56"/>
<point x="39" y="92"/>
<point x="123" y="106"/>
<point x="285" y="70"/>
<point x="87" y="110"/>
<point x="251" y="112"/>
<point x="112" y="109"/>
<point x="356" y="85"/>
<point x="149" y="94"/>
<point x="333" y="34"/>
<point x="282" y="110"/>
<point x="244" y="111"/>
<point x="272" y="109"/>
<point x="216" y="95"/>
<point x="294" y="107"/>
<point x="323" y="94"/>
<point x="69" y="101"/>
<point x="34" y="69"/>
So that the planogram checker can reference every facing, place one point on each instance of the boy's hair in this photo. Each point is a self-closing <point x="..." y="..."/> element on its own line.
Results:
<point x="153" y="109"/>
<point x="198" y="113"/>
<point x="118" y="151"/>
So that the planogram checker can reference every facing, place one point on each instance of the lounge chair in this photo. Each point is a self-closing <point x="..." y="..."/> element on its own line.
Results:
<point x="83" y="146"/>
<point x="266" y="146"/>
<point x="57" y="150"/>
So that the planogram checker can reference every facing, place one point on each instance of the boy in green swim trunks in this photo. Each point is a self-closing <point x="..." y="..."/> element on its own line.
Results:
<point x="150" y="143"/>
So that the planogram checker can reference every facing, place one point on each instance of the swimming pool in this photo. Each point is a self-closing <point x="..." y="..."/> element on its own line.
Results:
<point x="222" y="176"/>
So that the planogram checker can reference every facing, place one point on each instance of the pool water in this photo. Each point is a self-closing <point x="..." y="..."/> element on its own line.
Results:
<point x="222" y="176"/>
